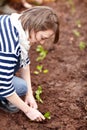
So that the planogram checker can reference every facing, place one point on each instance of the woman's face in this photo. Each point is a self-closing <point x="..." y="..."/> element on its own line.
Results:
<point x="40" y="36"/>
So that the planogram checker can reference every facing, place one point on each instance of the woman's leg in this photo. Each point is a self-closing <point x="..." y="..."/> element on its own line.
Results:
<point x="20" y="86"/>
<point x="21" y="89"/>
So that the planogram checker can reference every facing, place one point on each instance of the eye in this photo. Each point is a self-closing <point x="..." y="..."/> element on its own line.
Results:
<point x="43" y="38"/>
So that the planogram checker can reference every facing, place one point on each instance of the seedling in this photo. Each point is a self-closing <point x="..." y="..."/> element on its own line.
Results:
<point x="71" y="3"/>
<point x="78" y="23"/>
<point x="40" y="69"/>
<point x="45" y="71"/>
<point x="47" y="115"/>
<point x="38" y="93"/>
<point x="42" y="53"/>
<point x="36" y="72"/>
<point x="76" y="33"/>
<point x="82" y="45"/>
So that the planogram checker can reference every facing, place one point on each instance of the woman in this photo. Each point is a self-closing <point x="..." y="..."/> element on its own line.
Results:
<point x="17" y="31"/>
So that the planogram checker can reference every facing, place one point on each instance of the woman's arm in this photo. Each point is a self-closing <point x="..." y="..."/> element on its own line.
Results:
<point x="18" y="102"/>
<point x="25" y="74"/>
<point x="30" y="112"/>
<point x="29" y="99"/>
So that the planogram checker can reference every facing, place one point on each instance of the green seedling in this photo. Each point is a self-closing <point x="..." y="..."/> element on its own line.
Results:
<point x="76" y="33"/>
<point x="42" y="53"/>
<point x="47" y="115"/>
<point x="71" y="3"/>
<point x="82" y="45"/>
<point x="78" y="23"/>
<point x="38" y="93"/>
<point x="39" y="48"/>
<point x="45" y="71"/>
<point x="36" y="72"/>
<point x="40" y="69"/>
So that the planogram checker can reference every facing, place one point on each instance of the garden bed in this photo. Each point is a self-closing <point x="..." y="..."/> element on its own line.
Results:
<point x="65" y="85"/>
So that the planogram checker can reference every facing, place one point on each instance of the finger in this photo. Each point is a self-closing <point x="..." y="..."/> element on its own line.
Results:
<point x="39" y="119"/>
<point x="42" y="117"/>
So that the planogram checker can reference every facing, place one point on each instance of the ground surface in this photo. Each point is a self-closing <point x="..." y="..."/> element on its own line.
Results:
<point x="65" y="86"/>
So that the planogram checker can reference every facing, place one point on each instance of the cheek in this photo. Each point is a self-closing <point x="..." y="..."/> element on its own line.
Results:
<point x="38" y="37"/>
<point x="42" y="42"/>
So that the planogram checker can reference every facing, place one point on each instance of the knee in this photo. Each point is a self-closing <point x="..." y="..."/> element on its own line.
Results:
<point x="24" y="88"/>
<point x="20" y="86"/>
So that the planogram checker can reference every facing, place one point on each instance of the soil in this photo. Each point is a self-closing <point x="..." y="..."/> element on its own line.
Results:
<point x="65" y="85"/>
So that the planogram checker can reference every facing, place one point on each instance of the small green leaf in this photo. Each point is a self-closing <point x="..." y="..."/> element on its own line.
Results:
<point x="76" y="33"/>
<point x="39" y="90"/>
<point x="47" y="115"/>
<point x="39" y="67"/>
<point x="82" y="45"/>
<point x="39" y="58"/>
<point x="38" y="98"/>
<point x="45" y="71"/>
<point x="38" y="93"/>
<point x="39" y="48"/>
<point x="78" y="23"/>
<point x="42" y="53"/>
<point x="71" y="3"/>
<point x="36" y="72"/>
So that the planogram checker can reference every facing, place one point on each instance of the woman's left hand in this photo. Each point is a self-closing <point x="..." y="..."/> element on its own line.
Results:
<point x="29" y="99"/>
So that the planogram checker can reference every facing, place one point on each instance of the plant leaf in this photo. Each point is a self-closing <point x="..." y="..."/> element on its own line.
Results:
<point x="45" y="71"/>
<point x="76" y="33"/>
<point x="36" y="72"/>
<point x="47" y="115"/>
<point x="82" y="45"/>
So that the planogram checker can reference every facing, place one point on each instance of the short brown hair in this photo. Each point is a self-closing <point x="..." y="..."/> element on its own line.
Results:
<point x="40" y="18"/>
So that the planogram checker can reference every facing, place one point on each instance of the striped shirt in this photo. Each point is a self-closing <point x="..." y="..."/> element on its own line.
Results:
<point x="10" y="52"/>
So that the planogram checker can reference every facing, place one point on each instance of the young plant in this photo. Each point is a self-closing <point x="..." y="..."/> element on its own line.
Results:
<point x="82" y="45"/>
<point x="71" y="3"/>
<point x="45" y="71"/>
<point x="47" y="115"/>
<point x="40" y="69"/>
<point x="78" y="23"/>
<point x="76" y="33"/>
<point x="42" y="53"/>
<point x="38" y="93"/>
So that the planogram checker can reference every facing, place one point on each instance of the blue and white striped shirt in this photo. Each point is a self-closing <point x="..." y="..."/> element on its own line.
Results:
<point x="9" y="54"/>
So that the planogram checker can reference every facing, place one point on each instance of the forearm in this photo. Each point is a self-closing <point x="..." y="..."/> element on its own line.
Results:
<point x="29" y="111"/>
<point x="18" y="102"/>
<point x="25" y="74"/>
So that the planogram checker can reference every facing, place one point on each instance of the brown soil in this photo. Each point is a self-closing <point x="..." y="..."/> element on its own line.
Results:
<point x="65" y="86"/>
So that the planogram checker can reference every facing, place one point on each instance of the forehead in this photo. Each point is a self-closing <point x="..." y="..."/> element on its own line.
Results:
<point x="46" y="32"/>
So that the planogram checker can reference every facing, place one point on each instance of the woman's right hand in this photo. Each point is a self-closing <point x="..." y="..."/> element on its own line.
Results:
<point x="34" y="114"/>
